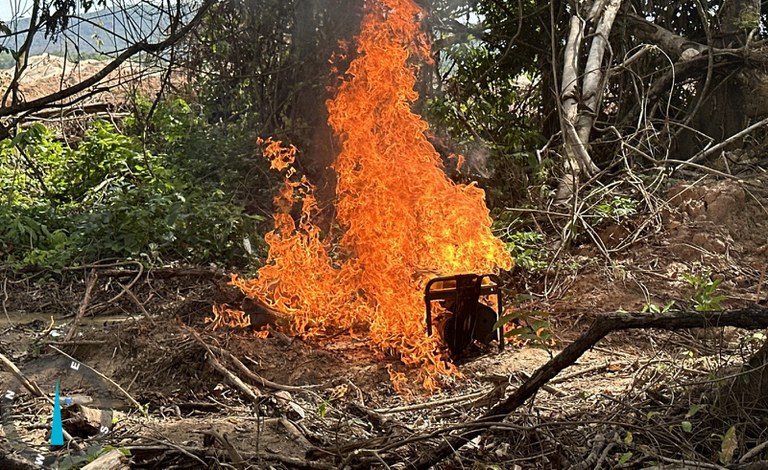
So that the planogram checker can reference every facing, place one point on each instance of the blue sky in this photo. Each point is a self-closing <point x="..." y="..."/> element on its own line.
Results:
<point x="11" y="8"/>
<point x="8" y="8"/>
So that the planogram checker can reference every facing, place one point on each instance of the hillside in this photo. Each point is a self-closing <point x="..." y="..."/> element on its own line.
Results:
<point x="97" y="32"/>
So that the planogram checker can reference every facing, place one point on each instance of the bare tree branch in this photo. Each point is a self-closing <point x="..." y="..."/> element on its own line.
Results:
<point x="752" y="318"/>
<point x="132" y="50"/>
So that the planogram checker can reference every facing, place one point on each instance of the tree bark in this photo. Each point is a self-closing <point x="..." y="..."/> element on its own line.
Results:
<point x="320" y="26"/>
<point x="580" y="107"/>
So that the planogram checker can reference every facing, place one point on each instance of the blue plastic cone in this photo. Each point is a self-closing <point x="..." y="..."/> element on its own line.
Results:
<point x="57" y="431"/>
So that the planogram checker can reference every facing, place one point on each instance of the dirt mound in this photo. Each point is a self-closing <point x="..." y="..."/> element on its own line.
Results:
<point x="720" y="218"/>
<point x="47" y="74"/>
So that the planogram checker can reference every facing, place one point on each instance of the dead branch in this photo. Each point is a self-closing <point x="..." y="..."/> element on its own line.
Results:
<point x="112" y="460"/>
<point x="256" y="377"/>
<point x="673" y="44"/>
<point x="236" y="381"/>
<point x="89" y="285"/>
<point x="136" y="48"/>
<point x="435" y="403"/>
<point x="198" y="452"/>
<point x="234" y="455"/>
<point x="712" y="150"/>
<point x="114" y="384"/>
<point x="26" y="382"/>
<point x="751" y="318"/>
<point x="138" y="303"/>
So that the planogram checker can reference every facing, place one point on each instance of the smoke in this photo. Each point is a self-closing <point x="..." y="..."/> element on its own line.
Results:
<point x="462" y="162"/>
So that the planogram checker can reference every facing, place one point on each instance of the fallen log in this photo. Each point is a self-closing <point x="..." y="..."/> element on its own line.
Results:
<point x="751" y="318"/>
<point x="112" y="460"/>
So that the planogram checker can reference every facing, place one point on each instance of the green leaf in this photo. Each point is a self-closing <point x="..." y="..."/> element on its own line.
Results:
<point x="625" y="458"/>
<point x="628" y="438"/>
<point x="728" y="446"/>
<point x="693" y="410"/>
<point x="687" y="426"/>
<point x="505" y="319"/>
<point x="517" y="332"/>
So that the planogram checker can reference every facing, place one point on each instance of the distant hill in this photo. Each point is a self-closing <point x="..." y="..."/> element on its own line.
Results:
<point x="98" y="32"/>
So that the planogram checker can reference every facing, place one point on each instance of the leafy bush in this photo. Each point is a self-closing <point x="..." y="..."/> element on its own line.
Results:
<point x="704" y="298"/>
<point x="527" y="248"/>
<point x="111" y="196"/>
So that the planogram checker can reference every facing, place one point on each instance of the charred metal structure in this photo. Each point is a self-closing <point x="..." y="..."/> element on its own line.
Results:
<point x="467" y="319"/>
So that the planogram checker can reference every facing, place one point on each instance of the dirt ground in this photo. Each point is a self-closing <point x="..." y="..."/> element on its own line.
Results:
<point x="47" y="74"/>
<point x="329" y="403"/>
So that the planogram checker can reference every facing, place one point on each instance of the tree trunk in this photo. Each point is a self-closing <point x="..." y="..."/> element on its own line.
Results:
<point x="725" y="99"/>
<point x="320" y="27"/>
<point x="581" y="106"/>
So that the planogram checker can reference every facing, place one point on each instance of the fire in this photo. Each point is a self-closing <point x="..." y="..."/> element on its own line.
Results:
<point x="402" y="218"/>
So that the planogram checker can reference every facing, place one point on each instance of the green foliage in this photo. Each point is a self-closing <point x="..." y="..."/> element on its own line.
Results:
<point x="536" y="332"/>
<point x="657" y="309"/>
<point x="111" y="196"/>
<point x="617" y="208"/>
<point x="624" y="458"/>
<point x="527" y="248"/>
<point x="728" y="446"/>
<point x="704" y="298"/>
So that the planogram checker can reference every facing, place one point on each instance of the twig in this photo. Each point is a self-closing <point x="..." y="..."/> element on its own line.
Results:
<point x="115" y="384"/>
<point x="753" y="452"/>
<point x="130" y="284"/>
<point x="194" y="452"/>
<point x="80" y="342"/>
<point x="234" y="455"/>
<point x="136" y="301"/>
<point x="170" y="445"/>
<point x="760" y="283"/>
<point x="232" y="378"/>
<point x="89" y="285"/>
<point x="434" y="403"/>
<point x="256" y="377"/>
<point x="5" y="301"/>
<point x="704" y="154"/>
<point x="578" y="373"/>
<point x="589" y="462"/>
<point x="692" y="463"/>
<point x="26" y="382"/>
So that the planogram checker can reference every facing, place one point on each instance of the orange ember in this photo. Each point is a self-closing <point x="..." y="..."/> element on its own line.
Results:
<point x="403" y="220"/>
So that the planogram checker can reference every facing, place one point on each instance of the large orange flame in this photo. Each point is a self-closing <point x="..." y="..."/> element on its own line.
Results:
<point x="402" y="218"/>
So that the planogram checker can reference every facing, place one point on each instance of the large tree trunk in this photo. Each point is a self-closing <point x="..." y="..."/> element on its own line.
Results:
<point x="581" y="104"/>
<point x="320" y="27"/>
<point x="729" y="93"/>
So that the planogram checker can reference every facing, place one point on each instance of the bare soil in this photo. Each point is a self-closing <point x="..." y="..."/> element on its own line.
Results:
<point x="329" y="401"/>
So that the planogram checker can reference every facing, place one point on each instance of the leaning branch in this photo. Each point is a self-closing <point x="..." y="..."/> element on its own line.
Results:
<point x="751" y="318"/>
<point x="673" y="44"/>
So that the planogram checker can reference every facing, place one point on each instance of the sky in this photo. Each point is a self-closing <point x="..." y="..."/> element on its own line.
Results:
<point x="9" y="8"/>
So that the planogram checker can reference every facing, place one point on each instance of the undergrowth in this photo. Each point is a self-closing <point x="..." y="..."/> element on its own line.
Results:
<point x="119" y="194"/>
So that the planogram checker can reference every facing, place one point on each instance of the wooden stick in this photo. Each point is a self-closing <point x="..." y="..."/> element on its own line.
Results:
<point x="26" y="382"/>
<point x="435" y="403"/>
<point x="114" y="384"/>
<point x="112" y="460"/>
<point x="234" y="456"/>
<point x="138" y="303"/>
<point x="89" y="285"/>
<point x="256" y="377"/>
<point x="232" y="378"/>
